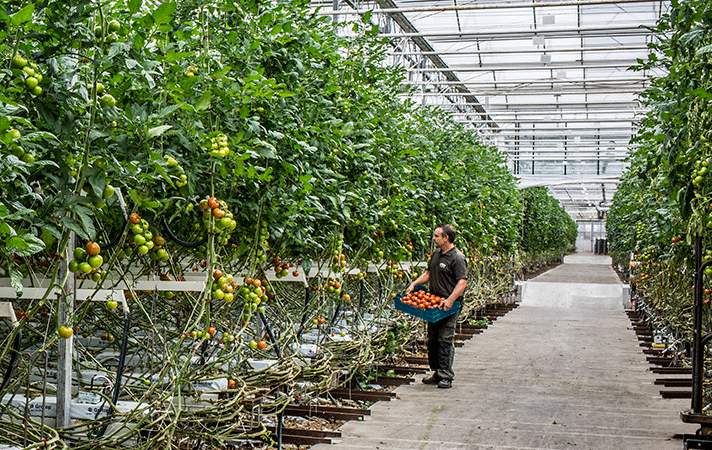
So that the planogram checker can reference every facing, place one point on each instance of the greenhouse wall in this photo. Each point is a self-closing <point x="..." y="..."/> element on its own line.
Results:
<point x="588" y="233"/>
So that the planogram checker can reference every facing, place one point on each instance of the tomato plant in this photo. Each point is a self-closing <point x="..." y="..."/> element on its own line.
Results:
<point x="284" y="129"/>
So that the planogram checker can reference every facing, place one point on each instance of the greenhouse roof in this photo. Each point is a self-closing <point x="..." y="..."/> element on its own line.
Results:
<point x="548" y="82"/>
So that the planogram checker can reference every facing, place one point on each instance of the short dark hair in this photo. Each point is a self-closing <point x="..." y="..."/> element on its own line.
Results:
<point x="449" y="231"/>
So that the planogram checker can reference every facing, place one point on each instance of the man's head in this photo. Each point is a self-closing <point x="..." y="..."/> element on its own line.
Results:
<point x="444" y="234"/>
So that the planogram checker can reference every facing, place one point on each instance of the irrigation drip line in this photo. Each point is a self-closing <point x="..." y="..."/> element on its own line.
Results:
<point x="178" y="241"/>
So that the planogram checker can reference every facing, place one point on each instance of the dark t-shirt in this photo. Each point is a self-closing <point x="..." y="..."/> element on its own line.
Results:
<point x="446" y="270"/>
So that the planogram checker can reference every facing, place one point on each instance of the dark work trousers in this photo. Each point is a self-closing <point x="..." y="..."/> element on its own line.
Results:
<point x="441" y="347"/>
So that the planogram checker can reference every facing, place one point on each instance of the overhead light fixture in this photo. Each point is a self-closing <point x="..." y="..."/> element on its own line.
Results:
<point x="545" y="59"/>
<point x="548" y="19"/>
<point x="539" y="40"/>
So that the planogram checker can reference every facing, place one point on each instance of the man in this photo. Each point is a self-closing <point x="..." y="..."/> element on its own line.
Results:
<point x="447" y="276"/>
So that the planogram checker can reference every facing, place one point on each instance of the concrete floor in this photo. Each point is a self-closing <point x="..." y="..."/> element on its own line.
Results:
<point x="562" y="371"/>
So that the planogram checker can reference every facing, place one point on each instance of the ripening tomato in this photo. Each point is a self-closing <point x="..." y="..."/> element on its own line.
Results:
<point x="65" y="332"/>
<point x="92" y="248"/>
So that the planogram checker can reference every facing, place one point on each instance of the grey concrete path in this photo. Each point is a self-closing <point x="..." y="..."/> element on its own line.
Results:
<point x="562" y="371"/>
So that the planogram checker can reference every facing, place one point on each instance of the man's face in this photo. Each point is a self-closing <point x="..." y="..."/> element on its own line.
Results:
<point x="439" y="238"/>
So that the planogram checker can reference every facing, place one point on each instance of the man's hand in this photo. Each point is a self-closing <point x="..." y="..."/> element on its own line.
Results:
<point x="447" y="304"/>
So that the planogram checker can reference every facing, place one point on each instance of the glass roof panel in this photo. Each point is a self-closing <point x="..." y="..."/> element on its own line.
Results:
<point x="552" y="76"/>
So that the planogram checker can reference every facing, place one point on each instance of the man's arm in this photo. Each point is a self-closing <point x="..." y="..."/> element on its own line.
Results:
<point x="422" y="279"/>
<point x="456" y="293"/>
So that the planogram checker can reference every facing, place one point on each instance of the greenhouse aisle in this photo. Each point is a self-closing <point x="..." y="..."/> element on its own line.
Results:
<point x="562" y="371"/>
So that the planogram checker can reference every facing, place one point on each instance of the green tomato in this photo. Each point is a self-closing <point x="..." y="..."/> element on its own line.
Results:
<point x="142" y="249"/>
<point x="14" y="134"/>
<point x="28" y="158"/>
<point x="114" y="26"/>
<point x="112" y="304"/>
<point x="31" y="82"/>
<point x="19" y="62"/>
<point x="80" y="253"/>
<point x="73" y="266"/>
<point x="108" y="100"/>
<point x="96" y="261"/>
<point x="85" y="268"/>
<point x="139" y="239"/>
<point x="108" y="191"/>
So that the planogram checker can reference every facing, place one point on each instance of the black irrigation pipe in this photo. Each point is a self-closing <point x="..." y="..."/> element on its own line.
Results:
<point x="360" y="297"/>
<point x="116" y="241"/>
<point x="304" y="314"/>
<point x="270" y="335"/>
<point x="338" y="309"/>
<point x="13" y="361"/>
<point x="120" y="369"/>
<point x="277" y="351"/>
<point x="178" y="241"/>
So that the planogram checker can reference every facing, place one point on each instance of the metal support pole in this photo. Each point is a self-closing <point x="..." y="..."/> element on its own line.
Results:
<point x="65" y="346"/>
<point x="697" y="353"/>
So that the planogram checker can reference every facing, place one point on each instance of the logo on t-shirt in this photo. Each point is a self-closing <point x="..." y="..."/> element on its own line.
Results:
<point x="443" y="265"/>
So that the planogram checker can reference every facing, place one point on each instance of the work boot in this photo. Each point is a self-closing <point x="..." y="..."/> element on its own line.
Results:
<point x="445" y="384"/>
<point x="435" y="379"/>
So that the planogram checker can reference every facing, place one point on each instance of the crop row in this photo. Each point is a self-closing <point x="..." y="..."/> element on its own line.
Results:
<point x="212" y="205"/>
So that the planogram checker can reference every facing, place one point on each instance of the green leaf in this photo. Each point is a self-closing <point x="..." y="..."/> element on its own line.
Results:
<point x="703" y="50"/>
<point x="204" y="102"/>
<point x="25" y="245"/>
<point x="15" y="278"/>
<point x="167" y="111"/>
<point x="74" y="226"/>
<point x="97" y="179"/>
<point x="5" y="229"/>
<point x="86" y="217"/>
<point x="701" y="92"/>
<point x="159" y="130"/>
<point x="306" y="266"/>
<point x="23" y="15"/>
<point x="164" y="13"/>
<point x="134" y="6"/>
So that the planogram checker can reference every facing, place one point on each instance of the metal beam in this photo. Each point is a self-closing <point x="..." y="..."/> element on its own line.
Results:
<point x="422" y="43"/>
<point x="517" y="33"/>
<point x="536" y="81"/>
<point x="528" y="51"/>
<point x="569" y="65"/>
<point x="476" y="7"/>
